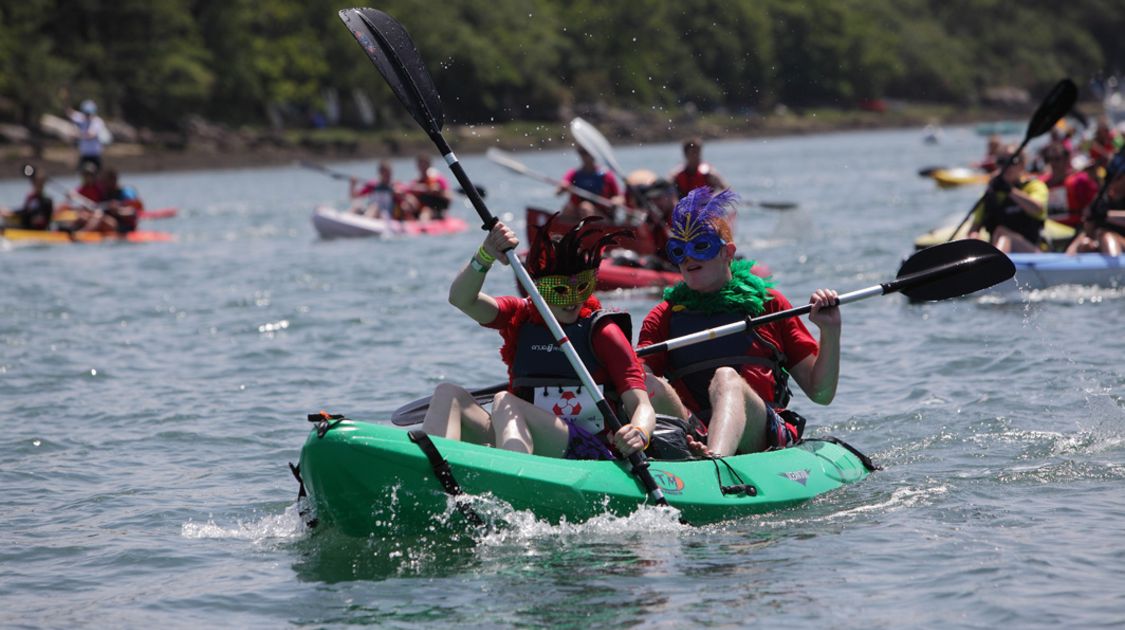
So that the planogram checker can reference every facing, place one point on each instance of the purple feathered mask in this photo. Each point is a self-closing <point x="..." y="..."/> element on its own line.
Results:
<point x="699" y="224"/>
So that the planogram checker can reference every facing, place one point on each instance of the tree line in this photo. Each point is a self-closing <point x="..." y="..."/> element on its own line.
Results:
<point x="291" y="62"/>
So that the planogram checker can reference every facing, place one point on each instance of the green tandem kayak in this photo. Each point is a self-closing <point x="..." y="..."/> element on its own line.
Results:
<point x="364" y="478"/>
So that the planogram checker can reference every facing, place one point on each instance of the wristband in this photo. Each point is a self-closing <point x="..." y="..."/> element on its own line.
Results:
<point x="485" y="257"/>
<point x="644" y="434"/>
<point x="479" y="266"/>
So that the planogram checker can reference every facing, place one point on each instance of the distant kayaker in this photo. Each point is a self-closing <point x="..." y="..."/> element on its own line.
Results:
<point x="1104" y="226"/>
<point x="119" y="202"/>
<point x="1014" y="207"/>
<point x="92" y="133"/>
<point x="694" y="172"/>
<point x="37" y="208"/>
<point x="382" y="200"/>
<point x="994" y="145"/>
<point x="545" y="410"/>
<point x="1068" y="191"/>
<point x="736" y="386"/>
<point x="429" y="196"/>
<point x="589" y="176"/>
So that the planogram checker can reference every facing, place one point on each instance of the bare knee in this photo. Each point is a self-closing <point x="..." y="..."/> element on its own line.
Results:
<point x="724" y="379"/>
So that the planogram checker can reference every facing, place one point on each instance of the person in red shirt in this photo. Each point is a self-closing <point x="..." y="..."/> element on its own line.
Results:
<point x="544" y="411"/>
<point x="735" y="386"/>
<point x="589" y="177"/>
<point x="694" y="172"/>
<point x="1068" y="191"/>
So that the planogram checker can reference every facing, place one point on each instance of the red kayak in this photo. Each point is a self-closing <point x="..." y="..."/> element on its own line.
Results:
<point x="159" y="213"/>
<point x="634" y="266"/>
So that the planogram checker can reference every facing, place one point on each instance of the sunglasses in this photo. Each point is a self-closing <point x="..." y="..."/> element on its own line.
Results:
<point x="568" y="290"/>
<point x="702" y="248"/>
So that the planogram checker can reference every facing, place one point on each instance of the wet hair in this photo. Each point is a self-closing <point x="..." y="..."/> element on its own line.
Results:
<point x="573" y="252"/>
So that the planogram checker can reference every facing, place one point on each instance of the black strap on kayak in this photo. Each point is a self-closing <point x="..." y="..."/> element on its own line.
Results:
<point x="865" y="460"/>
<point x="325" y="421"/>
<point x="444" y="474"/>
<point x="302" y="497"/>
<point x="741" y="488"/>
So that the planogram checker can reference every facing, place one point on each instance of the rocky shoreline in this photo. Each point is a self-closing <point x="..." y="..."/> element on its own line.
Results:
<point x="211" y="147"/>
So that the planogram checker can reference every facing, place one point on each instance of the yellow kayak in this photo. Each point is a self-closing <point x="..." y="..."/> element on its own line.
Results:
<point x="1056" y="235"/>
<point x="954" y="177"/>
<point x="56" y="237"/>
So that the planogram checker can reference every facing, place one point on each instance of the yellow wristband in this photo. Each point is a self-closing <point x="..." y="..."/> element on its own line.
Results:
<point x="648" y="440"/>
<point x="485" y="257"/>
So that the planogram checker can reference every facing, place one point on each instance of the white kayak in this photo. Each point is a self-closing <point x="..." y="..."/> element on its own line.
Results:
<point x="332" y="223"/>
<point x="1041" y="271"/>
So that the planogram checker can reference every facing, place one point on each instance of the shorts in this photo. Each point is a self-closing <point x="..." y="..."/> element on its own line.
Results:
<point x="581" y="444"/>
<point x="783" y="427"/>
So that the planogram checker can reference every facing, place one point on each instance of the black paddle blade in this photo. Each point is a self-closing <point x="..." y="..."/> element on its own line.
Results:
<point x="951" y="270"/>
<point x="392" y="51"/>
<point x="1058" y="102"/>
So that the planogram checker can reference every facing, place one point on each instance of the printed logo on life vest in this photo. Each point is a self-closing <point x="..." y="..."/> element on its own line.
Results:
<point x="800" y="476"/>
<point x="547" y="348"/>
<point x="668" y="482"/>
<point x="568" y="405"/>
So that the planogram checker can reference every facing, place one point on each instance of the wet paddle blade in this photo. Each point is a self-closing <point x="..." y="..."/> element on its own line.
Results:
<point x="595" y="143"/>
<point x="1058" y="102"/>
<point x="390" y="48"/>
<point x="951" y="270"/>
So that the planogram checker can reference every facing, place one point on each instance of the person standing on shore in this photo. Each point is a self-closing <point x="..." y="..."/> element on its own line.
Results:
<point x="694" y="172"/>
<point x="92" y="134"/>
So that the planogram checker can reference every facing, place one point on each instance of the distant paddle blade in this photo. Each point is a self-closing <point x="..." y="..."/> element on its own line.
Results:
<point x="391" y="49"/>
<point x="951" y="270"/>
<point x="594" y="142"/>
<point x="1058" y="102"/>
<point x="777" y="205"/>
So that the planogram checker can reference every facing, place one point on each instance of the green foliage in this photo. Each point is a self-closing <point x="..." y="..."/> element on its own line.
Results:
<point x="156" y="62"/>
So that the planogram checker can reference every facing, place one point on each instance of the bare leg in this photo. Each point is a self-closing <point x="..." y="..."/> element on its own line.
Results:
<point x="665" y="400"/>
<point x="1009" y="241"/>
<point x="738" y="415"/>
<point x="455" y="414"/>
<point x="524" y="428"/>
<point x="1110" y="243"/>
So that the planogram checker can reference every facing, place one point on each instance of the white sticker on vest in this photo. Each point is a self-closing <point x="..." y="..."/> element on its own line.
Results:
<point x="571" y="403"/>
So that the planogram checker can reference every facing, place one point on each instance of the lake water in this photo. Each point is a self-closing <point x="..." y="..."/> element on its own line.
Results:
<point x="153" y="395"/>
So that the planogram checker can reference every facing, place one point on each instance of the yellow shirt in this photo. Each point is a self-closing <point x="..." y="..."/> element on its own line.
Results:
<point x="1032" y="187"/>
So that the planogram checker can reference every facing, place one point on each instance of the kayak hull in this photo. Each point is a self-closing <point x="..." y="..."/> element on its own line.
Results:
<point x="331" y="223"/>
<point x="1042" y="271"/>
<point x="52" y="237"/>
<point x="365" y="478"/>
<point x="957" y="177"/>
<point x="1056" y="235"/>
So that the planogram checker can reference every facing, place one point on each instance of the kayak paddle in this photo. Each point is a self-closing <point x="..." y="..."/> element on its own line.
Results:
<point x="940" y="272"/>
<point x="391" y="49"/>
<point x="596" y="144"/>
<point x="1055" y="105"/>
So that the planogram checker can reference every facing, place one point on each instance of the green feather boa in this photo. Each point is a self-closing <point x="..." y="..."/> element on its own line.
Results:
<point x="745" y="292"/>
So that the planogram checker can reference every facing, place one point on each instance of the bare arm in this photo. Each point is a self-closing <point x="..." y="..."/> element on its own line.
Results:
<point x="818" y="375"/>
<point x="465" y="292"/>
<point x="641" y="416"/>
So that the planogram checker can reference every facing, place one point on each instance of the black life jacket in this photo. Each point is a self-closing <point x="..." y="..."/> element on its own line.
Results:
<point x="1002" y="209"/>
<point x="695" y="365"/>
<point x="539" y="362"/>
